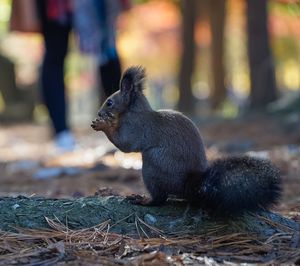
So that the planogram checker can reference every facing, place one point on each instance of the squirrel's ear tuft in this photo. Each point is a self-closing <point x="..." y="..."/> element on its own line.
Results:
<point x="133" y="80"/>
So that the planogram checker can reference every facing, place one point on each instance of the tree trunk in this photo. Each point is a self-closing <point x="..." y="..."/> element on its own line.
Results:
<point x="125" y="218"/>
<point x="186" y="100"/>
<point x="262" y="75"/>
<point x="217" y="21"/>
<point x="19" y="103"/>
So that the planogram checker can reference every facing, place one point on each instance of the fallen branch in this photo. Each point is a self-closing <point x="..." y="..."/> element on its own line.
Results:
<point x="175" y="218"/>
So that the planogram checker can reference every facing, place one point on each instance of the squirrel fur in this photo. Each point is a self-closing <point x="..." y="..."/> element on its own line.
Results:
<point x="174" y="159"/>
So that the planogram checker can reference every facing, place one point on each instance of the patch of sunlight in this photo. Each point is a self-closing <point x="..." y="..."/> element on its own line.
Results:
<point x="228" y="110"/>
<point x="2" y="103"/>
<point x="5" y="9"/>
<point x="288" y="8"/>
<point x="291" y="75"/>
<point x="40" y="113"/>
<point x="129" y="160"/>
<point x="170" y="95"/>
<point x="201" y="90"/>
<point x="241" y="82"/>
<point x="293" y="8"/>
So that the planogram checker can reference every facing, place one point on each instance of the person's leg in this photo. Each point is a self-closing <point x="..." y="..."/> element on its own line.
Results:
<point x="52" y="74"/>
<point x="52" y="78"/>
<point x="56" y="37"/>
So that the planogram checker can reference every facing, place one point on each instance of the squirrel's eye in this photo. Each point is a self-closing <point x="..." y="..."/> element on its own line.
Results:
<point x="109" y="102"/>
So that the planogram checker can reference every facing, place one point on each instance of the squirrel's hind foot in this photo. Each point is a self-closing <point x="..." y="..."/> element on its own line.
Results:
<point x="137" y="199"/>
<point x="142" y="200"/>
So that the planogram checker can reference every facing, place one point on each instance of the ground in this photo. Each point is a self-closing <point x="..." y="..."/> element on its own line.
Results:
<point x="29" y="165"/>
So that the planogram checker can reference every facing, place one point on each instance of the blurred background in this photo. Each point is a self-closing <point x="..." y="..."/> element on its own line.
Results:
<point x="233" y="66"/>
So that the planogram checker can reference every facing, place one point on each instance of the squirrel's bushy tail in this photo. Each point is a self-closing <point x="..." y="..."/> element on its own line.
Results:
<point x="235" y="185"/>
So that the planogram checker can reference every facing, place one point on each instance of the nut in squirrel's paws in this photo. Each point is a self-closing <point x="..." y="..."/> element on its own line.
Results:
<point x="98" y="124"/>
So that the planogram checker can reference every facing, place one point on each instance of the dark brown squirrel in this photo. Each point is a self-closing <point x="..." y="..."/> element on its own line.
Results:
<point x="173" y="154"/>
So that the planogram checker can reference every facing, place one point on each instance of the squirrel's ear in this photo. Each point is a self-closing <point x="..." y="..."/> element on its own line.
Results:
<point x="132" y="81"/>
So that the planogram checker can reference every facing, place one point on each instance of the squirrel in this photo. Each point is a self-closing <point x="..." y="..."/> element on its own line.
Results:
<point x="174" y="159"/>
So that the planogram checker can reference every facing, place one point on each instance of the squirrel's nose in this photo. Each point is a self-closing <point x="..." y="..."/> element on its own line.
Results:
<point x="100" y="113"/>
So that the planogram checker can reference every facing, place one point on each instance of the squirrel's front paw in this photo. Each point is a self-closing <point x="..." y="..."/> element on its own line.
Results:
<point x="98" y="124"/>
